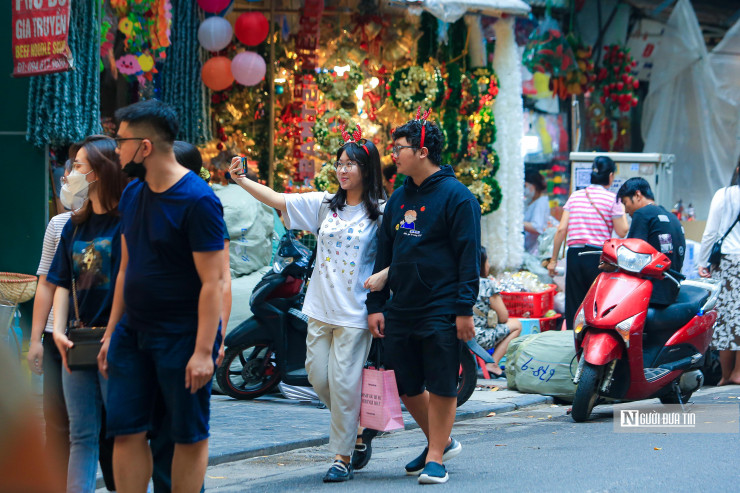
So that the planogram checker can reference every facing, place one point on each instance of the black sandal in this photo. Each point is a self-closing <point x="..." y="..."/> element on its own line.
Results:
<point x="339" y="472"/>
<point x="364" y="450"/>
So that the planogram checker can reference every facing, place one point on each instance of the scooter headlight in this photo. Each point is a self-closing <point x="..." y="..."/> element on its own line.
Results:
<point x="632" y="261"/>
<point x="624" y="327"/>
<point x="281" y="263"/>
<point x="580" y="321"/>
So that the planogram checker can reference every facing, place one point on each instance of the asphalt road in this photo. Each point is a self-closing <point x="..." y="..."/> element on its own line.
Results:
<point x="537" y="449"/>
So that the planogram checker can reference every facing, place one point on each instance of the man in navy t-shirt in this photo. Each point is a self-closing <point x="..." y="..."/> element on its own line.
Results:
<point x="163" y="330"/>
<point x="655" y="225"/>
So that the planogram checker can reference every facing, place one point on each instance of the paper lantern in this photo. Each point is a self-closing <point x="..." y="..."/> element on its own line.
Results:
<point x="248" y="68"/>
<point x="251" y="28"/>
<point x="213" y="6"/>
<point x="216" y="73"/>
<point x="214" y="33"/>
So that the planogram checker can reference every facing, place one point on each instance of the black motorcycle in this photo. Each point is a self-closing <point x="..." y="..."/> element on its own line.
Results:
<point x="270" y="346"/>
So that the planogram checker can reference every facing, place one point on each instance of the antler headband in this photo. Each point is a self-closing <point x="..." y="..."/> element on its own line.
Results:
<point x="355" y="138"/>
<point x="423" y="120"/>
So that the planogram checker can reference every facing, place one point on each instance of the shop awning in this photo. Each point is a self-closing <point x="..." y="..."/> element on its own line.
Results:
<point x="452" y="10"/>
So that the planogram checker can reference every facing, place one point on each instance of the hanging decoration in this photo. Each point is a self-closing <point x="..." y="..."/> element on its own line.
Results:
<point x="65" y="107"/>
<point x="456" y="55"/>
<point x="248" y="68"/>
<point x="216" y="73"/>
<point x="326" y="179"/>
<point x="499" y="229"/>
<point x="548" y="51"/>
<point x="215" y="34"/>
<point x="305" y="91"/>
<point x="146" y="27"/>
<point x="481" y="183"/>
<point x="581" y="79"/>
<point x="326" y="129"/>
<point x="427" y="45"/>
<point x="487" y="86"/>
<point x="341" y="88"/>
<point x="361" y="73"/>
<point x="181" y="82"/>
<point x="413" y="86"/>
<point x="213" y="6"/>
<point x="614" y="82"/>
<point x="251" y="28"/>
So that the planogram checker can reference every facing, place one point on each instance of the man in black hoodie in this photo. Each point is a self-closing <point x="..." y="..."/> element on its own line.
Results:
<point x="430" y="238"/>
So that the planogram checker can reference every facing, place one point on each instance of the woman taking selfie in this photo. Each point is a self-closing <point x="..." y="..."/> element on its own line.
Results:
<point x="338" y="338"/>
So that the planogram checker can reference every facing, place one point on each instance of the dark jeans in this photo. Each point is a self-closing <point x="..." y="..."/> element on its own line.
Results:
<point x="580" y="273"/>
<point x="55" y="410"/>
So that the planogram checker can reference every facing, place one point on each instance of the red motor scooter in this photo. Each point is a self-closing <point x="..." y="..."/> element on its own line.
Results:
<point x="629" y="351"/>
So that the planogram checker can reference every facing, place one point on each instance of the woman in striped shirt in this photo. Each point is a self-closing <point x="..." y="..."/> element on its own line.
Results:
<point x="590" y="216"/>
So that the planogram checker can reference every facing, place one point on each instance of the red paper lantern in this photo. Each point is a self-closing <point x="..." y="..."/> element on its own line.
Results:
<point x="251" y="28"/>
<point x="213" y="6"/>
<point x="216" y="73"/>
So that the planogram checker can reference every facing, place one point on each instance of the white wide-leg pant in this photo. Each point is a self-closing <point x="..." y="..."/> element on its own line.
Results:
<point x="335" y="357"/>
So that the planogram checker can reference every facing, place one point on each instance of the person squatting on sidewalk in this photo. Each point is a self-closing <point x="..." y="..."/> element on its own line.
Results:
<point x="163" y="333"/>
<point x="430" y="238"/>
<point x="338" y="341"/>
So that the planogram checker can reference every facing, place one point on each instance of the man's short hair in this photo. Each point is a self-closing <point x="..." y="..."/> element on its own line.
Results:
<point x="156" y="116"/>
<point x="632" y="186"/>
<point x="434" y="141"/>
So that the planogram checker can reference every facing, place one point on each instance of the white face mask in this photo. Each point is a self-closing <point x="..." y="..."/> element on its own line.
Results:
<point x="74" y="191"/>
<point x="528" y="195"/>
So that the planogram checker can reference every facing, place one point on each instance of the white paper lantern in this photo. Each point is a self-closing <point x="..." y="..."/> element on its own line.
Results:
<point x="215" y="33"/>
<point x="248" y="68"/>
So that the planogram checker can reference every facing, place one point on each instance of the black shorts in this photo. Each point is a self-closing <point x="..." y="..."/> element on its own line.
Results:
<point x="424" y="353"/>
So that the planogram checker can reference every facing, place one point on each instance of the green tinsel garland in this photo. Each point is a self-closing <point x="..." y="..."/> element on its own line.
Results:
<point x="451" y="116"/>
<point x="426" y="48"/>
<point x="496" y="193"/>
<point x="455" y="146"/>
<point x="182" y="86"/>
<point x="65" y="107"/>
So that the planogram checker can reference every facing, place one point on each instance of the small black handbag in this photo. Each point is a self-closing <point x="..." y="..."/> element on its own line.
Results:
<point x="87" y="341"/>
<point x="715" y="256"/>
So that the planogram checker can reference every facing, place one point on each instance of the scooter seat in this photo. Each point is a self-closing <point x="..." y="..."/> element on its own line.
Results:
<point x="673" y="317"/>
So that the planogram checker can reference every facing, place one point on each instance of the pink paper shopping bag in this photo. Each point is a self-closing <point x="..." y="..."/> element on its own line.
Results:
<point x="381" y="406"/>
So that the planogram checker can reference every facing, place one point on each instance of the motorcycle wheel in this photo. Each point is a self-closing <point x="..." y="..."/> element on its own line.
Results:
<point x="586" y="393"/>
<point x="249" y="370"/>
<point x="467" y="378"/>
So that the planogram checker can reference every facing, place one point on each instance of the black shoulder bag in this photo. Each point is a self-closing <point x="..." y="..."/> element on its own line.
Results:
<point x="84" y="354"/>
<point x="716" y="255"/>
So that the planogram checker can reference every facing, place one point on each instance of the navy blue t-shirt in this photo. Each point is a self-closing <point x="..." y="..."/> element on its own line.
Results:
<point x="162" y="231"/>
<point x="91" y="253"/>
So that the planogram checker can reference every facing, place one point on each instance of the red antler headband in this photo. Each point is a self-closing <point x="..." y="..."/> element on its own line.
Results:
<point x="355" y="138"/>
<point x="423" y="120"/>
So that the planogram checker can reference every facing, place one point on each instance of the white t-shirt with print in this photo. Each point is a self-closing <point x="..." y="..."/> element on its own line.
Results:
<point x="347" y="245"/>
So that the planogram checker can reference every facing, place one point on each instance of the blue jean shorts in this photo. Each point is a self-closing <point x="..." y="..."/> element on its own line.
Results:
<point x="140" y="363"/>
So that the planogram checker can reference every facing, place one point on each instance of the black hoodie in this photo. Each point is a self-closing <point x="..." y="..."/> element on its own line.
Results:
<point x="430" y="238"/>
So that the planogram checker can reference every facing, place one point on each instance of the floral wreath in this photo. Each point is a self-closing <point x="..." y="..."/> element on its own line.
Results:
<point x="482" y="184"/>
<point x="416" y="85"/>
<point x="326" y="179"/>
<point x="341" y="88"/>
<point x="326" y="129"/>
